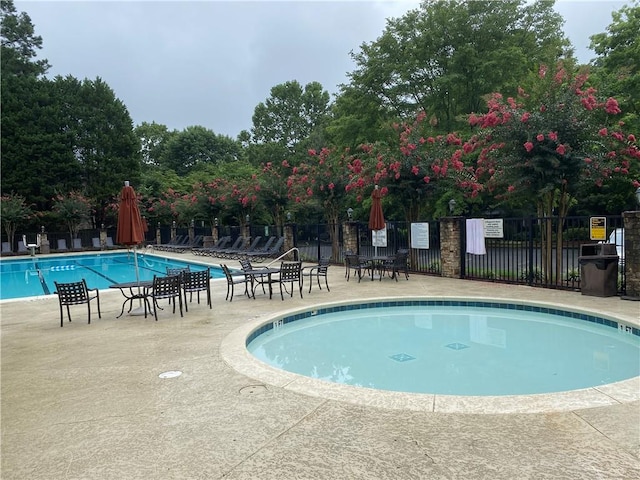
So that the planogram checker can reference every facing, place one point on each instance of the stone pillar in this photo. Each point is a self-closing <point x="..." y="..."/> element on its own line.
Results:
<point x="103" y="237"/>
<point x="192" y="232"/>
<point x="44" y="242"/>
<point x="173" y="231"/>
<point x="632" y="253"/>
<point x="450" y="247"/>
<point x="158" y="235"/>
<point x="290" y="240"/>
<point x="350" y="236"/>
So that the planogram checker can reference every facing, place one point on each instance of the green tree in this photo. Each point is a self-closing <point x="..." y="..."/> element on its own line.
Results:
<point x="19" y="44"/>
<point x="74" y="209"/>
<point x="197" y="146"/>
<point x="153" y="141"/>
<point x="446" y="55"/>
<point x="14" y="211"/>
<point x="618" y="62"/>
<point x="290" y="114"/>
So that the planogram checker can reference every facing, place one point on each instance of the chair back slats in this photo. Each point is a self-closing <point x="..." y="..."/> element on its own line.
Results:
<point x="166" y="287"/>
<point x="72" y="293"/>
<point x="290" y="271"/>
<point x="194" y="281"/>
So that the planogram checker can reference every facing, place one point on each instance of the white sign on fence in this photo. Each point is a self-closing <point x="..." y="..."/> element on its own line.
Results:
<point x="379" y="237"/>
<point x="493" y="228"/>
<point x="420" y="235"/>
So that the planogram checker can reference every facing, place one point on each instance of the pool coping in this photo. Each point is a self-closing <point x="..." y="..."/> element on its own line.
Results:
<point x="235" y="354"/>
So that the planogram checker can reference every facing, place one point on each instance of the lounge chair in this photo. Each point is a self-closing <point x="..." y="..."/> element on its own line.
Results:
<point x="221" y="244"/>
<point x="6" y="248"/>
<point x="22" y="247"/>
<point x="236" y="245"/>
<point x="272" y="252"/>
<point x="179" y="240"/>
<point x="235" y="254"/>
<point x="109" y="243"/>
<point x="77" y="244"/>
<point x="197" y="241"/>
<point x="62" y="245"/>
<point x="260" y="250"/>
<point x="95" y="243"/>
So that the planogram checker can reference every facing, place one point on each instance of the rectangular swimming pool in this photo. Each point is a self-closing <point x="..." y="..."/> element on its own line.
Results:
<point x="34" y="276"/>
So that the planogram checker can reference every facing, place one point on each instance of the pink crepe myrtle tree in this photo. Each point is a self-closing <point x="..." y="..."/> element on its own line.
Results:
<point x="417" y="171"/>
<point x="211" y="197"/>
<point x="321" y="180"/>
<point x="547" y="142"/>
<point x="74" y="209"/>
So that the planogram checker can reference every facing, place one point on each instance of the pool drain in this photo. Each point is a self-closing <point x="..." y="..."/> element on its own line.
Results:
<point x="253" y="389"/>
<point x="170" y="374"/>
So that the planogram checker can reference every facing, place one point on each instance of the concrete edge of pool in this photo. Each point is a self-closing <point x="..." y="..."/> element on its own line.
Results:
<point x="234" y="352"/>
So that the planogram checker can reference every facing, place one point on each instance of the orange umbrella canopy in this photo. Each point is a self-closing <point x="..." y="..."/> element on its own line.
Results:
<point x="376" y="217"/>
<point x="130" y="231"/>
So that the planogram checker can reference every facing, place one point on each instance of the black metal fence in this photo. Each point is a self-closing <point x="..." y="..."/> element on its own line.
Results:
<point x="531" y="251"/>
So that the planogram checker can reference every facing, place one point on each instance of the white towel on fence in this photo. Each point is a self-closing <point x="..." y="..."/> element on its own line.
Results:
<point x="475" y="236"/>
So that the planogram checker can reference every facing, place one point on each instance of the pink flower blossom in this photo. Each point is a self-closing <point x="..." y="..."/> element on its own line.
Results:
<point x="553" y="136"/>
<point x="415" y="170"/>
<point x="611" y="106"/>
<point x="603" y="132"/>
<point x="511" y="188"/>
<point x="560" y="149"/>
<point x="525" y="117"/>
<point x="540" y="137"/>
<point x="528" y="146"/>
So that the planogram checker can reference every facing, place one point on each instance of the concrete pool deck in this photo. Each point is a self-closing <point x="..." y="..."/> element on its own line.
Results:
<point x="86" y="401"/>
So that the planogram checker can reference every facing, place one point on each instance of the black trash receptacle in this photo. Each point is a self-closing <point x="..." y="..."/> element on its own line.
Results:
<point x="598" y="270"/>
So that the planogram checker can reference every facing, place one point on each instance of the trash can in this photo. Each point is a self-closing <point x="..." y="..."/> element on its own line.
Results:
<point x="598" y="270"/>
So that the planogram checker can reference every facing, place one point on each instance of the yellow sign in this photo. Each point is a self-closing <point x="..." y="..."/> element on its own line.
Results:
<point x="598" y="228"/>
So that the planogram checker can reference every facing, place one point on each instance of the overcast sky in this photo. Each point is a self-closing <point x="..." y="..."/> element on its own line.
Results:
<point x="211" y="62"/>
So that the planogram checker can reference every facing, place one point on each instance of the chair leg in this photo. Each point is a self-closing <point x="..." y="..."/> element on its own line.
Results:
<point x="89" y="313"/>
<point x="61" y="317"/>
<point x="326" y="282"/>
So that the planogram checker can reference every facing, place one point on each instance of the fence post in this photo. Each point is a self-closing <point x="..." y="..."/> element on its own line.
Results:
<point x="632" y="254"/>
<point x="350" y="236"/>
<point x="451" y="247"/>
<point x="290" y="238"/>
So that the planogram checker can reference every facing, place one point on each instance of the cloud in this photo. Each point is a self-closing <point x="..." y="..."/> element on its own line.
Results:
<point x="210" y="63"/>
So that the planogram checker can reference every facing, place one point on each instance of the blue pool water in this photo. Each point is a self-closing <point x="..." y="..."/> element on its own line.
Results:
<point x="451" y="348"/>
<point x="33" y="276"/>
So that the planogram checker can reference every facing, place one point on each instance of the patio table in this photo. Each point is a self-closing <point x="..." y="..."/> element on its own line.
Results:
<point x="134" y="291"/>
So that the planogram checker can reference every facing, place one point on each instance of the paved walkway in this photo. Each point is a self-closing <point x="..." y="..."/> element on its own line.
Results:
<point x="86" y="402"/>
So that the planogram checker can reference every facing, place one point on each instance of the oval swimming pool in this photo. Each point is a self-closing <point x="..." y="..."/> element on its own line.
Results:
<point x="34" y="276"/>
<point x="451" y="347"/>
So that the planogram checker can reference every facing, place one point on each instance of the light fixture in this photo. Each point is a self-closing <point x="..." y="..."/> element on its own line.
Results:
<point x="42" y="228"/>
<point x="158" y="225"/>
<point x="288" y="216"/>
<point x="215" y="221"/>
<point x="173" y="224"/>
<point x="452" y="205"/>
<point x="349" y="213"/>
<point x="193" y="223"/>
<point x="247" y="218"/>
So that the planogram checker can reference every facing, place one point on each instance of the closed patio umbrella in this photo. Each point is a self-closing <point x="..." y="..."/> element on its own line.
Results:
<point x="130" y="231"/>
<point x="376" y="217"/>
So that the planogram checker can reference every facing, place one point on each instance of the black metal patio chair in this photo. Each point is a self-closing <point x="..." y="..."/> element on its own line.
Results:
<point x="76" y="293"/>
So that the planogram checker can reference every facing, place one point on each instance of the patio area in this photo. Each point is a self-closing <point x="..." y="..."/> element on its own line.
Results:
<point x="87" y="402"/>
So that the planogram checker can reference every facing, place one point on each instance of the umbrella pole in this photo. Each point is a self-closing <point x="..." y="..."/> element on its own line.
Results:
<point x="135" y="261"/>
<point x="140" y="310"/>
